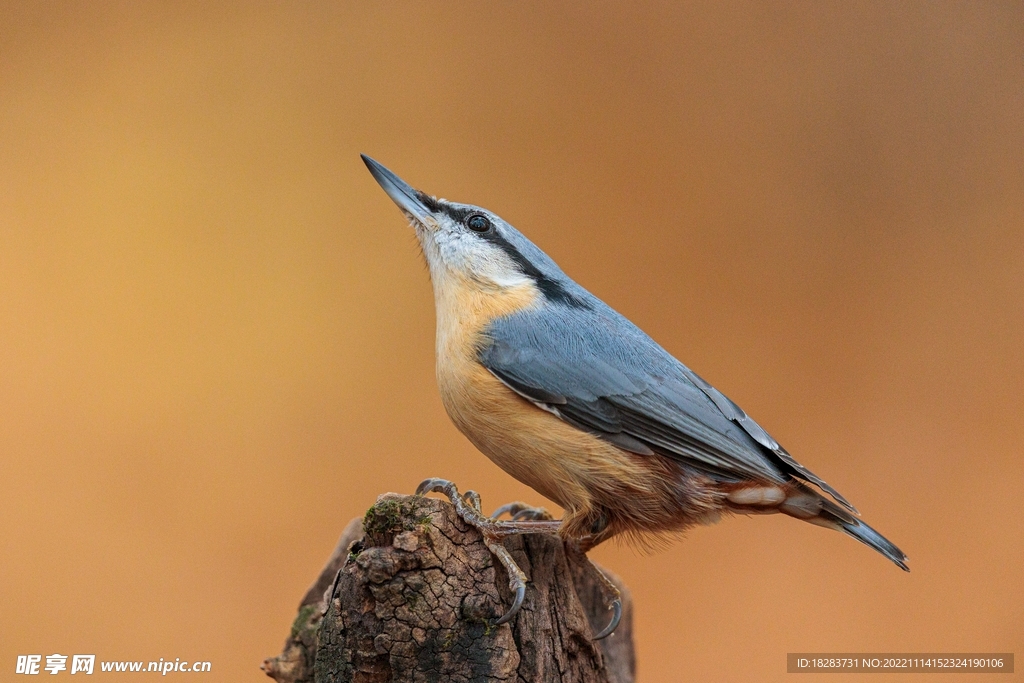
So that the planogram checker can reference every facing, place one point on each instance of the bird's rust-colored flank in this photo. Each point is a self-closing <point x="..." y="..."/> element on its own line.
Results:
<point x="601" y="486"/>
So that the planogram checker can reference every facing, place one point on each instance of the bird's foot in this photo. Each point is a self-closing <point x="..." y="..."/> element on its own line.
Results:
<point x="493" y="530"/>
<point x="521" y="511"/>
<point x="615" y="604"/>
<point x="525" y="520"/>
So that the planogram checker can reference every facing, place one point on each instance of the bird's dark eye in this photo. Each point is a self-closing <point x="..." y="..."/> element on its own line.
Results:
<point x="478" y="222"/>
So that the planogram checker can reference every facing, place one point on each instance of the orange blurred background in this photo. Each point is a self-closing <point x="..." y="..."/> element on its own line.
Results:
<point x="216" y="332"/>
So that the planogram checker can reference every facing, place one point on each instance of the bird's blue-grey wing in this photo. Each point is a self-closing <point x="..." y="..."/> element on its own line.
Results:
<point x="599" y="372"/>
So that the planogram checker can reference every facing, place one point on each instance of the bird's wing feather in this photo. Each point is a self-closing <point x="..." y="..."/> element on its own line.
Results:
<point x="599" y="372"/>
<point x="736" y="414"/>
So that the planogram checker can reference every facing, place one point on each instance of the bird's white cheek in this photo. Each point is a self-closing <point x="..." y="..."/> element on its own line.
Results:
<point x="488" y="266"/>
<point x="452" y="254"/>
<point x="505" y="279"/>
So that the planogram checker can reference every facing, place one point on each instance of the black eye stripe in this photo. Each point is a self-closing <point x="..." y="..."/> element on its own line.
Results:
<point x="455" y="213"/>
<point x="553" y="290"/>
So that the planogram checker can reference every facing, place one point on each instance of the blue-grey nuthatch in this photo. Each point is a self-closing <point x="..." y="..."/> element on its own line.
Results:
<point x="575" y="401"/>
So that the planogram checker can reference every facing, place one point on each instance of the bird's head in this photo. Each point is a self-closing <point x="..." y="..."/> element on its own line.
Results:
<point x="467" y="240"/>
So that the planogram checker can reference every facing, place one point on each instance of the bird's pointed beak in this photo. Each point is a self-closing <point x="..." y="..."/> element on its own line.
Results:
<point x="401" y="192"/>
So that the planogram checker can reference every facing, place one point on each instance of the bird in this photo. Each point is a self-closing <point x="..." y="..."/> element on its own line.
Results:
<point x="572" y="399"/>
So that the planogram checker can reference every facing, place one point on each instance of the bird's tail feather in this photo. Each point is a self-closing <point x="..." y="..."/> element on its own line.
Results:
<point x="811" y="507"/>
<point x="868" y="536"/>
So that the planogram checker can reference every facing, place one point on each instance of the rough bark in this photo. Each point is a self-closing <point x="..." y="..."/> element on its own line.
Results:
<point x="409" y="593"/>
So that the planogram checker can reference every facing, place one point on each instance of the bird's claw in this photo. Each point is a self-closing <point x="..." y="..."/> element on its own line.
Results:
<point x="473" y="499"/>
<point x="516" y="604"/>
<point x="615" y="605"/>
<point x="614" y="623"/>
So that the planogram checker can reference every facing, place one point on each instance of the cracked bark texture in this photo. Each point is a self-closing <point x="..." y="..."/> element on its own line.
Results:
<point x="410" y="591"/>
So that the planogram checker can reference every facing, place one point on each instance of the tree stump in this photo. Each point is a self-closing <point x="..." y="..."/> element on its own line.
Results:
<point x="410" y="594"/>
